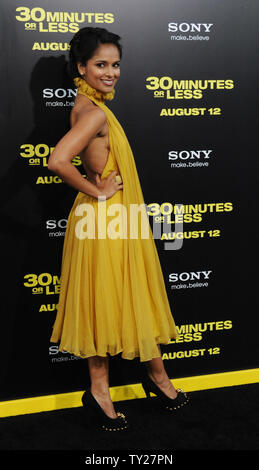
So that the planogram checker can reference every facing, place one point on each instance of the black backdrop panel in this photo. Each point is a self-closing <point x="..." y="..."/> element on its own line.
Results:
<point x="186" y="99"/>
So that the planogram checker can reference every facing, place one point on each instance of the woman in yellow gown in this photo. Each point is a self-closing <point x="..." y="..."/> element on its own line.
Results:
<point x="113" y="298"/>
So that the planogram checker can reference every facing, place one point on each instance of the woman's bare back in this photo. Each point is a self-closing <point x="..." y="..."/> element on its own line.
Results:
<point x="95" y="155"/>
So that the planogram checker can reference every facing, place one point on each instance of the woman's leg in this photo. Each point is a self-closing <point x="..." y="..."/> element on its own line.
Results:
<point x="99" y="375"/>
<point x="157" y="373"/>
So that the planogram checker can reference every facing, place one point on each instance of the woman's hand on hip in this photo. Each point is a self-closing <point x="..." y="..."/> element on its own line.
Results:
<point x="110" y="185"/>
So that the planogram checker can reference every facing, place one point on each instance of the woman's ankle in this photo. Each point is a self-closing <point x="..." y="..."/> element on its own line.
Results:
<point x="157" y="377"/>
<point x="100" y="389"/>
<point x="156" y="370"/>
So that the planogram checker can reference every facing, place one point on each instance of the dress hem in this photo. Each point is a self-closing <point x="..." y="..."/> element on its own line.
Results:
<point x="107" y="354"/>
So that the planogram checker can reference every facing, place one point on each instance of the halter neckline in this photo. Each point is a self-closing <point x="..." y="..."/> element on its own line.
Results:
<point x="85" y="89"/>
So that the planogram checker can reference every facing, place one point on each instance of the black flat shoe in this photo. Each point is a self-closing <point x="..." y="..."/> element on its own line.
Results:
<point x="170" y="404"/>
<point x="96" y="414"/>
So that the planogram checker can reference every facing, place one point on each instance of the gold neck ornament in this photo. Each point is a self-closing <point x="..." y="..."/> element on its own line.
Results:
<point x="85" y="89"/>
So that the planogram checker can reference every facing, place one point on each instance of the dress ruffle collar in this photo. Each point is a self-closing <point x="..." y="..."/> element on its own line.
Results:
<point x="85" y="89"/>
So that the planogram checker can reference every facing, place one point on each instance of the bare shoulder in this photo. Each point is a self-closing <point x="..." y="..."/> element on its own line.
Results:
<point x="87" y="112"/>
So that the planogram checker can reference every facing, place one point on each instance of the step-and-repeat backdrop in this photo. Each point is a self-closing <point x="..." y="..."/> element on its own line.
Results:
<point x="187" y="101"/>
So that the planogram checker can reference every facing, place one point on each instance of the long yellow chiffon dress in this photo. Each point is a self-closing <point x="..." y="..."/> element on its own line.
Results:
<point x="112" y="294"/>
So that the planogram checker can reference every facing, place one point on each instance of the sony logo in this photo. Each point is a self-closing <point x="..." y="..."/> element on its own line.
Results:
<point x="189" y="27"/>
<point x="59" y="93"/>
<point x="51" y="224"/>
<point x="55" y="350"/>
<point x="185" y="276"/>
<point x="188" y="154"/>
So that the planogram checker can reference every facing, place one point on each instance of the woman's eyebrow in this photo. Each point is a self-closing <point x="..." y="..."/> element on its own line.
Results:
<point x="103" y="60"/>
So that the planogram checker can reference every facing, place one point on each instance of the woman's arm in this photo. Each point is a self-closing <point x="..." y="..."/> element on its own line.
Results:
<point x="72" y="143"/>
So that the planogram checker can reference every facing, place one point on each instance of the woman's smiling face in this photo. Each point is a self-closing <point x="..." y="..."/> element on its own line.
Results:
<point x="102" y="71"/>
